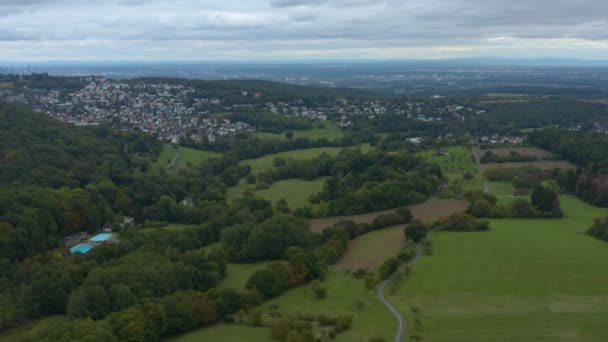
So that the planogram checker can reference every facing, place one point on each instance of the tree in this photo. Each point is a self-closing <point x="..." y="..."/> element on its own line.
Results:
<point x="415" y="231"/>
<point x="266" y="281"/>
<point x="270" y="239"/>
<point x="522" y="208"/>
<point x="289" y="135"/>
<point x="281" y="206"/>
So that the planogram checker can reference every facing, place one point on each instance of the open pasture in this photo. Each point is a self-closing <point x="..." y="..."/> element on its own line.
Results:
<point x="524" y="280"/>
<point x="327" y="130"/>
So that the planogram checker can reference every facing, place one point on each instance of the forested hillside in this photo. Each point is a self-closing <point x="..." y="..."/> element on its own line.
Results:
<point x="35" y="149"/>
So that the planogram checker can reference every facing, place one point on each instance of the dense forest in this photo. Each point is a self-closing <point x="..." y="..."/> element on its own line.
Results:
<point x="58" y="180"/>
<point x="586" y="150"/>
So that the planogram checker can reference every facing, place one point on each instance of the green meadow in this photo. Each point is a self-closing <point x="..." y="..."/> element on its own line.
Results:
<point x="454" y="162"/>
<point x="266" y="162"/>
<point x="330" y="131"/>
<point x="498" y="189"/>
<point x="524" y="280"/>
<point x="295" y="191"/>
<point x="188" y="157"/>
<point x="238" y="274"/>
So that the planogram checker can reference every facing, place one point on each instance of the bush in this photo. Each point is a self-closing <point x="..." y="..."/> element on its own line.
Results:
<point x="415" y="231"/>
<point x="463" y="222"/>
<point x="320" y="292"/>
<point x="387" y="220"/>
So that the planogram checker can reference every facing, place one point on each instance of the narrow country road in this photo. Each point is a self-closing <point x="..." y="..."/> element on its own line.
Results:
<point x="485" y="180"/>
<point x="402" y="324"/>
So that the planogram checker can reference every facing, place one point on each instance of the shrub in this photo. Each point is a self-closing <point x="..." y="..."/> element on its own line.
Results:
<point x="463" y="222"/>
<point x="415" y="231"/>
<point x="320" y="292"/>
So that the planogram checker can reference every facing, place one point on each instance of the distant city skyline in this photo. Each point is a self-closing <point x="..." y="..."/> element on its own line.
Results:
<point x="181" y="30"/>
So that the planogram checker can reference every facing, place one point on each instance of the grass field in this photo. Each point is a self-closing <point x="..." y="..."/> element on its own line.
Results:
<point x="186" y="156"/>
<point x="331" y="131"/>
<point x="295" y="191"/>
<point x="345" y="295"/>
<point x="226" y="333"/>
<point x="454" y="162"/>
<point x="238" y="274"/>
<point x="524" y="280"/>
<point x="172" y="226"/>
<point x="497" y="188"/>
<point x="266" y="162"/>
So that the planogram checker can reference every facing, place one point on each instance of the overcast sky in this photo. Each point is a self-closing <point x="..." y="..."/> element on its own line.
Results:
<point x="300" y="29"/>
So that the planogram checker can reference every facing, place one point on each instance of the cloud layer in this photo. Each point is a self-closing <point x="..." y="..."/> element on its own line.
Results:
<point x="277" y="29"/>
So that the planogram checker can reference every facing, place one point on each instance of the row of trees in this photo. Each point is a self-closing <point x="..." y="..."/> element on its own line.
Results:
<point x="581" y="148"/>
<point x="544" y="202"/>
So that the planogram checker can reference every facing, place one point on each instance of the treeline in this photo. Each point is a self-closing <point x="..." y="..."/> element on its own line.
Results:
<point x="512" y="157"/>
<point x="542" y="112"/>
<point x="544" y="202"/>
<point x="590" y="181"/>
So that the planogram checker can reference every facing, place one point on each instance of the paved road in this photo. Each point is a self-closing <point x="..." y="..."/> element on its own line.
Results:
<point x="402" y="324"/>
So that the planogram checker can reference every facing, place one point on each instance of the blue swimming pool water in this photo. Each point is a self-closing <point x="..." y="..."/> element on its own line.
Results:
<point x="81" y="248"/>
<point x="101" y="237"/>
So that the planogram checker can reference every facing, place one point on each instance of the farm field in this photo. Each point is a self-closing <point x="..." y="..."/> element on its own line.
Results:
<point x="498" y="188"/>
<point x="524" y="151"/>
<point x="427" y="211"/>
<point x="524" y="280"/>
<point x="331" y="131"/>
<point x="545" y="165"/>
<point x="370" y="250"/>
<point x="295" y="191"/>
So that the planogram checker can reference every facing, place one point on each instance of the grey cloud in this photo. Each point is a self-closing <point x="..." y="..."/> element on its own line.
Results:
<point x="280" y="26"/>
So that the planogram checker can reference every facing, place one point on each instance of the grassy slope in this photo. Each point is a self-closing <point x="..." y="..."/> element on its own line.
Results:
<point x="525" y="280"/>
<point x="343" y="292"/>
<point x="331" y="132"/>
<point x="295" y="191"/>
<point x="266" y="162"/>
<point x="238" y="274"/>
<point x="500" y="188"/>
<point x="186" y="155"/>
<point x="225" y="333"/>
